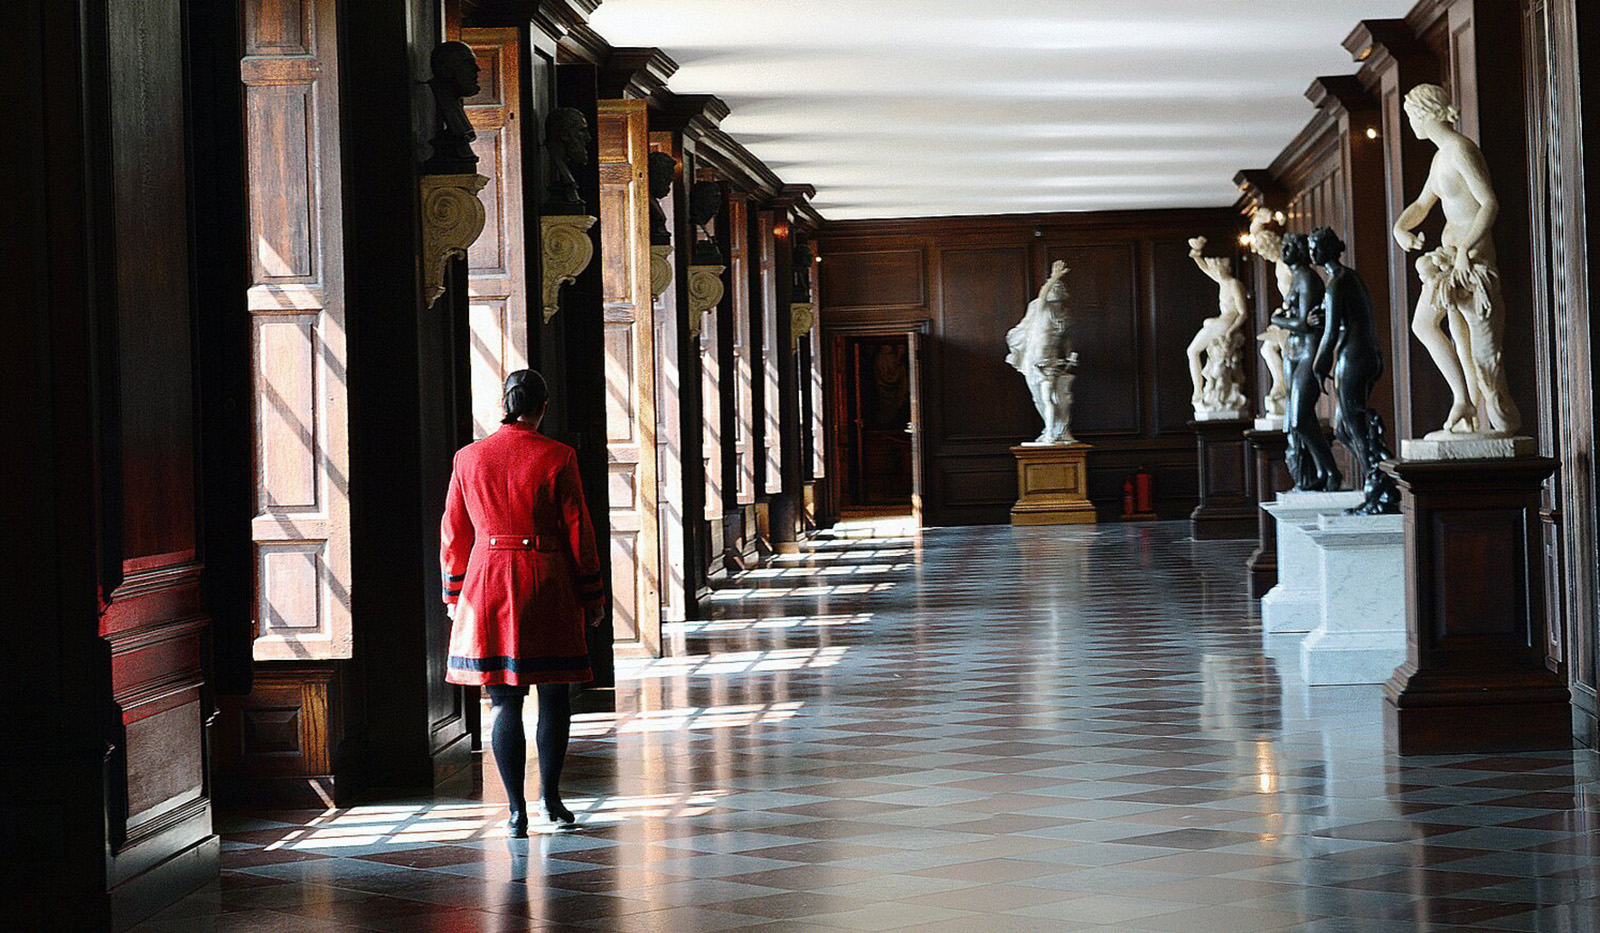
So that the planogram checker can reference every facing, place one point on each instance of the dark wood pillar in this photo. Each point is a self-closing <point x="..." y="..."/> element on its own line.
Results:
<point x="1227" y="506"/>
<point x="1271" y="474"/>
<point x="1475" y="678"/>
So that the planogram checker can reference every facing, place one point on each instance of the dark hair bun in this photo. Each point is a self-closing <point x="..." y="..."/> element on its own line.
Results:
<point x="525" y="394"/>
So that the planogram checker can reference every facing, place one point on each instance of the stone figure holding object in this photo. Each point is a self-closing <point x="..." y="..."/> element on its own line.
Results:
<point x="1350" y="353"/>
<point x="567" y="143"/>
<point x="1268" y="244"/>
<point x="1214" y="364"/>
<point x="1041" y="351"/>
<point x="1310" y="456"/>
<point x="455" y="77"/>
<point x="1460" y="280"/>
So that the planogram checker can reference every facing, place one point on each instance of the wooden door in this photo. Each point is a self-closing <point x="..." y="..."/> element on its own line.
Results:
<point x="669" y="420"/>
<point x="744" y="427"/>
<point x="496" y="283"/>
<point x="914" y="364"/>
<point x="630" y="375"/>
<point x="771" y="394"/>
<point x="296" y="301"/>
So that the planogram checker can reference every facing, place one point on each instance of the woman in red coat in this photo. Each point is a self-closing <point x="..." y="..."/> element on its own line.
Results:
<point x="521" y="576"/>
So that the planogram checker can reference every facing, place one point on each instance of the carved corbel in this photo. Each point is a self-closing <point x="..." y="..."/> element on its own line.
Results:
<point x="705" y="293"/>
<point x="660" y="270"/>
<point x="452" y="220"/>
<point x="566" y="251"/>
<point x="802" y="317"/>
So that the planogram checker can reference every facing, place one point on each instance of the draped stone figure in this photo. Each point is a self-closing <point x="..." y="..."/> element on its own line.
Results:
<point x="1460" y="280"/>
<point x="1310" y="456"/>
<point x="1268" y="244"/>
<point x="1214" y="364"/>
<point x="1041" y="351"/>
<point x="1350" y="353"/>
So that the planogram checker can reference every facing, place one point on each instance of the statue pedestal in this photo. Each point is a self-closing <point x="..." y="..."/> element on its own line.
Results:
<point x="1295" y="603"/>
<point x="1227" y="508"/>
<point x="1362" y="636"/>
<point x="1267" y="448"/>
<point x="1052" y="485"/>
<point x="1468" y="447"/>
<point x="1474" y="679"/>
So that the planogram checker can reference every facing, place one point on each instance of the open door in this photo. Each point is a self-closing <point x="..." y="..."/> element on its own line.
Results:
<point x="914" y="426"/>
<point x="630" y="376"/>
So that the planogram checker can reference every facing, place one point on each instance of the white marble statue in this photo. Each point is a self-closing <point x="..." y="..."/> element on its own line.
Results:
<point x="1268" y="244"/>
<point x="1214" y="364"/>
<point x="1041" y="352"/>
<point x="1460" y="281"/>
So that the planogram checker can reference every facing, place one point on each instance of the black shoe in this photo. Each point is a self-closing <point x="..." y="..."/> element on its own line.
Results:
<point x="558" y="814"/>
<point x="517" y="825"/>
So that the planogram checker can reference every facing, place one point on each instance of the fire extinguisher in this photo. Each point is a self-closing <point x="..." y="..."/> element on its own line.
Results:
<point x="1144" y="491"/>
<point x="1127" y="495"/>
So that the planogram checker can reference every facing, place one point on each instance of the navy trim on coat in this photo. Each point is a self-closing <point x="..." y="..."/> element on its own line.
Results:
<point x="520" y="665"/>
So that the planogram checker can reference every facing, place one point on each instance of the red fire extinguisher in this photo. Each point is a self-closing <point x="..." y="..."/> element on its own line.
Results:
<point x="1138" y="495"/>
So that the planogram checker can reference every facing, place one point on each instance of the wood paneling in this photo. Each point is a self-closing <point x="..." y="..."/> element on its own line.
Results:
<point x="296" y="300"/>
<point x="630" y="375"/>
<point x="1136" y="301"/>
<point x="497" y="269"/>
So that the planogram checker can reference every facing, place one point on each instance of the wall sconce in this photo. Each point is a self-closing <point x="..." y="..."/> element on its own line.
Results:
<point x="1244" y="240"/>
<point x="1278" y="216"/>
<point x="1372" y="132"/>
<point x="780" y="229"/>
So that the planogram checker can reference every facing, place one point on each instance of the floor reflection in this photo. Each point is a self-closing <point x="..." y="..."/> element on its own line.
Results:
<point x="975" y="730"/>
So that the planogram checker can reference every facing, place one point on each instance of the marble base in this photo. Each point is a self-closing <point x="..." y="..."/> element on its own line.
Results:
<point x="1270" y="423"/>
<point x="1295" y="603"/>
<point x="1361" y="637"/>
<point x="1220" y="415"/>
<point x="1468" y="447"/>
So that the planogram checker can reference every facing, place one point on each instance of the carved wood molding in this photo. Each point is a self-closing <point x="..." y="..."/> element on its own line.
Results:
<point x="802" y="317"/>
<point x="452" y="220"/>
<point x="660" y="270"/>
<point x="567" y="250"/>
<point x="705" y="292"/>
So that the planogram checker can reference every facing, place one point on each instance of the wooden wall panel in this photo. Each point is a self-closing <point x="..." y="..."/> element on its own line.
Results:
<point x="1136" y="298"/>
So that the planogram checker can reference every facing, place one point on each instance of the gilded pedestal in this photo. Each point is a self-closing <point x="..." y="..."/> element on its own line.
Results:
<point x="1052" y="485"/>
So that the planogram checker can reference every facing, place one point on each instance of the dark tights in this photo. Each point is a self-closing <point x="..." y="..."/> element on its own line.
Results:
<point x="510" y="744"/>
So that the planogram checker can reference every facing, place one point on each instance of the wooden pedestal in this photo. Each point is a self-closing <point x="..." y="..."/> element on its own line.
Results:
<point x="1475" y="678"/>
<point x="1052" y="485"/>
<point x="1267" y="449"/>
<point x="1227" y="508"/>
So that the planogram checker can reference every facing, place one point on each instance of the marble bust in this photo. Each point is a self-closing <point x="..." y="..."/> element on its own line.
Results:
<point x="1267" y="243"/>
<point x="1350" y="353"/>
<point x="1214" y="365"/>
<point x="1041" y="351"/>
<point x="1310" y="456"/>
<point x="1460" y="279"/>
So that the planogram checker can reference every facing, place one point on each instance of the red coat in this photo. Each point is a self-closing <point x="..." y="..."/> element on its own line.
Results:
<point x="519" y="562"/>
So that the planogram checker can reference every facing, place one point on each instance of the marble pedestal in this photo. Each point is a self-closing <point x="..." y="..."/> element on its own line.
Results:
<point x="1295" y="603"/>
<point x="1361" y="638"/>
<point x="1052" y="485"/>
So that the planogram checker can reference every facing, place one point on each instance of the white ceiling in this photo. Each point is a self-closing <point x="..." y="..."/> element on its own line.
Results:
<point x="904" y="108"/>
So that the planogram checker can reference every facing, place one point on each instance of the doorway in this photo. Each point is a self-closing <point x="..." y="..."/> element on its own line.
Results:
<point x="878" y="418"/>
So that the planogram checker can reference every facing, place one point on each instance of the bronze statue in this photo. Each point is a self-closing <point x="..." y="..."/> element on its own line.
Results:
<point x="1310" y="456"/>
<point x="566" y="133"/>
<point x="663" y="169"/>
<point x="1350" y="353"/>
<point x="455" y="76"/>
<point x="705" y="203"/>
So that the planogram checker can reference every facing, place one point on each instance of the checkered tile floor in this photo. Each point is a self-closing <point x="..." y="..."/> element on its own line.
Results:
<point x="977" y="729"/>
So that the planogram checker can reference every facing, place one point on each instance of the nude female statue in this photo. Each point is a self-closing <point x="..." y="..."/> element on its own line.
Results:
<point x="1310" y="457"/>
<point x="1214" y="351"/>
<point x="1349" y="352"/>
<point x="1041" y="352"/>
<point x="1460" y="283"/>
<point x="1268" y="244"/>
